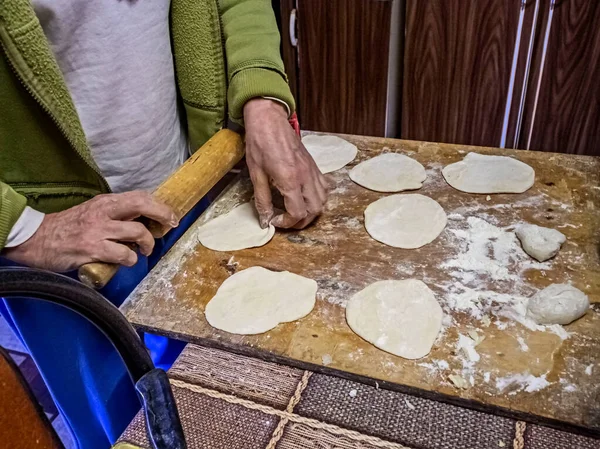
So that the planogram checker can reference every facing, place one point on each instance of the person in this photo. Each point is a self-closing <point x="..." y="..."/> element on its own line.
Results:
<point x="101" y="101"/>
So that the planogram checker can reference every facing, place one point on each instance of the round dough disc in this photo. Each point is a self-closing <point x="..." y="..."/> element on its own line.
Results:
<point x="238" y="229"/>
<point x="400" y="317"/>
<point x="405" y="221"/>
<point x="329" y="152"/>
<point x="390" y="172"/>
<point x="478" y="173"/>
<point x="255" y="300"/>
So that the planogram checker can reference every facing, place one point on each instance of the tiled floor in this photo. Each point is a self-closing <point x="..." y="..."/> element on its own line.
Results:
<point x="10" y="342"/>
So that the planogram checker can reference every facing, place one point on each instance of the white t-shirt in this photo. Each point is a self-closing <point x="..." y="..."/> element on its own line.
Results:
<point x="116" y="59"/>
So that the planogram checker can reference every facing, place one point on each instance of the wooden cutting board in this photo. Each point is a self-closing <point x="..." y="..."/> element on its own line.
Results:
<point x="477" y="270"/>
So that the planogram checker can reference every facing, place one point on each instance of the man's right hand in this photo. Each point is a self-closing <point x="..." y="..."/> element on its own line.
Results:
<point x="90" y="232"/>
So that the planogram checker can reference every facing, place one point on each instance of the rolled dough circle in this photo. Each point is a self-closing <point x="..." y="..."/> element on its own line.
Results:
<point x="558" y="304"/>
<point x="405" y="221"/>
<point x="400" y="317"/>
<point x="390" y="172"/>
<point x="329" y="152"/>
<point x="255" y="300"/>
<point x="238" y="229"/>
<point x="478" y="173"/>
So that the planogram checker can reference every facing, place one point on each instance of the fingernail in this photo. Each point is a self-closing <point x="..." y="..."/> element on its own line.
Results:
<point x="264" y="222"/>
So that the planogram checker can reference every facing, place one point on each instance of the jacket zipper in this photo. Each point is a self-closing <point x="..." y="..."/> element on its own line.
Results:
<point x="222" y="36"/>
<point x="33" y="185"/>
<point x="53" y="117"/>
<point x="221" y="32"/>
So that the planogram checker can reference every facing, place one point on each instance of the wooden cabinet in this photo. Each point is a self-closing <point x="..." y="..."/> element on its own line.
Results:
<point x="457" y="68"/>
<point x="503" y="73"/>
<point x="339" y="66"/>
<point x="562" y="108"/>
<point x="508" y="73"/>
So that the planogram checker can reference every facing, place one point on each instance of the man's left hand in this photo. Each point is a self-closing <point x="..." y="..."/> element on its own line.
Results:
<point x="275" y="154"/>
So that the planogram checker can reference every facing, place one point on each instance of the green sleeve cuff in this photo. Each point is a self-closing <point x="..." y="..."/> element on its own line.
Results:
<point x="11" y="207"/>
<point x="256" y="82"/>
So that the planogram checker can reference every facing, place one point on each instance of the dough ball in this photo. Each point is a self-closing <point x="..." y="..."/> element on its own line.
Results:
<point x="405" y="221"/>
<point x="540" y="243"/>
<point x="390" y="172"/>
<point x="478" y="173"/>
<point x="255" y="300"/>
<point x="558" y="304"/>
<point x="400" y="317"/>
<point x="329" y="152"/>
<point x="238" y="229"/>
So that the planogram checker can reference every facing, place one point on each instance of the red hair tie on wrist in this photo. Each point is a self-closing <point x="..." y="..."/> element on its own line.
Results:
<point x="294" y="122"/>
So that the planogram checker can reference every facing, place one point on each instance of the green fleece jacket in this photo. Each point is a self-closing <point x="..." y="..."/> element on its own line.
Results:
<point x="226" y="53"/>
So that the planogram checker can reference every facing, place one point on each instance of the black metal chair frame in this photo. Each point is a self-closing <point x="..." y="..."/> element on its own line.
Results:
<point x="154" y="390"/>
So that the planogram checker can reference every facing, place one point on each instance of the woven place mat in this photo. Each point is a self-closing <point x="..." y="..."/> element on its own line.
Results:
<point x="229" y="401"/>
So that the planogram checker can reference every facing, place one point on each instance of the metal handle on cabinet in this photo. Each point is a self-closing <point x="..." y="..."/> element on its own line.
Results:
<point x="513" y="74"/>
<point x="526" y="74"/>
<point x="541" y="75"/>
<point x="292" y="26"/>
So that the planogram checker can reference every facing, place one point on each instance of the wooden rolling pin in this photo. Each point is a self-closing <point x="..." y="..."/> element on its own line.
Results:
<point x="181" y="191"/>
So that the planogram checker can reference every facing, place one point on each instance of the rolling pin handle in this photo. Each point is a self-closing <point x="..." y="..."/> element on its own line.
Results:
<point x="97" y="274"/>
<point x="157" y="229"/>
<point x="181" y="191"/>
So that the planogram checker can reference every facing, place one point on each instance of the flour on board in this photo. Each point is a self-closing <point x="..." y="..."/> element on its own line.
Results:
<point x="434" y="175"/>
<point x="488" y="251"/>
<point x="567" y="386"/>
<point x="435" y="365"/>
<point x="522" y="344"/>
<point x="335" y="291"/>
<point x="489" y="254"/>
<point x="521" y="382"/>
<point x="467" y="346"/>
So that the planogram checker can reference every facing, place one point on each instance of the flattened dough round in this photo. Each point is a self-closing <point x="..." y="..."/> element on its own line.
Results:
<point x="400" y="317"/>
<point x="390" y="172"/>
<point x="238" y="229"/>
<point x="478" y="173"/>
<point x="558" y="304"/>
<point x="329" y="152"/>
<point x="255" y="300"/>
<point x="405" y="221"/>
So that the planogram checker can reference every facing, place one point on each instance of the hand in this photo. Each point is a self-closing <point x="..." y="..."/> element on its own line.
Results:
<point x="275" y="154"/>
<point x="90" y="231"/>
